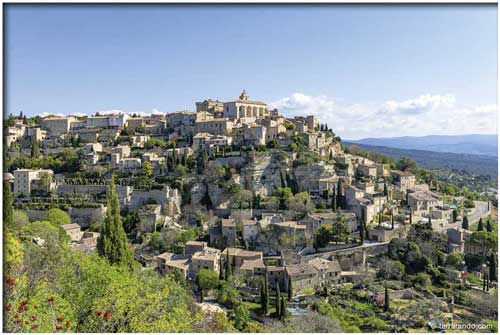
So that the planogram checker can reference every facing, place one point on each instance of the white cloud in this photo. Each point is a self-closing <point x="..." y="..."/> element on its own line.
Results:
<point x="424" y="115"/>
<point x="422" y="104"/>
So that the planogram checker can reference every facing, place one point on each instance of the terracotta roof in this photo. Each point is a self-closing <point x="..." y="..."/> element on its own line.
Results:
<point x="300" y="270"/>
<point x="250" y="264"/>
<point x="241" y="252"/>
<point x="323" y="264"/>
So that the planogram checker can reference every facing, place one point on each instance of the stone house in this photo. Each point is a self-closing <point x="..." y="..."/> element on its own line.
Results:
<point x="404" y="180"/>
<point x="74" y="231"/>
<point x="208" y="258"/>
<point x="302" y="276"/>
<point x="169" y="263"/>
<point x="238" y="256"/>
<point x="329" y="271"/>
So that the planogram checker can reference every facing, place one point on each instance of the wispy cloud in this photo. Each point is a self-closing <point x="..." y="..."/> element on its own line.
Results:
<point x="422" y="115"/>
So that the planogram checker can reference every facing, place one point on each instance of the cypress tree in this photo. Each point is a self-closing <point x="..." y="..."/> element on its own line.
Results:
<point x="362" y="232"/>
<point x="387" y="304"/>
<point x="429" y="223"/>
<point x="385" y="189"/>
<point x="484" y="281"/>
<point x="266" y="289"/>
<point x="284" y="311"/>
<point x="334" y="201"/>
<point x="480" y="226"/>
<point x="339" y="194"/>
<point x="278" y="300"/>
<point x="290" y="289"/>
<point x="489" y="228"/>
<point x="493" y="267"/>
<point x="227" y="272"/>
<point x="392" y="221"/>
<point x="222" y="275"/>
<point x="465" y="222"/>
<point x="34" y="148"/>
<point x="8" y="211"/>
<point x="455" y="215"/>
<point x="112" y="243"/>
<point x="411" y="217"/>
<point x="264" y="296"/>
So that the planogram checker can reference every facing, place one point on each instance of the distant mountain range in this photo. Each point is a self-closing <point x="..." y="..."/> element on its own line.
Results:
<point x="473" y="164"/>
<point x="459" y="144"/>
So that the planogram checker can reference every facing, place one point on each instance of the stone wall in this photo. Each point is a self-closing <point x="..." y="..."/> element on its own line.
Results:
<point x="86" y="216"/>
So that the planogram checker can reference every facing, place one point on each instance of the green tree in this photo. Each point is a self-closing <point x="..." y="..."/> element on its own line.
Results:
<point x="480" y="226"/>
<point x="455" y="215"/>
<point x="207" y="280"/>
<point x="334" y="202"/>
<point x="8" y="210"/>
<point x="489" y="227"/>
<point x="385" y="189"/>
<point x="284" y="311"/>
<point x="112" y="243"/>
<point x="147" y="169"/>
<point x="465" y="222"/>
<point x="278" y="300"/>
<point x="387" y="305"/>
<point x="339" y="195"/>
<point x="34" y="148"/>
<point x="264" y="296"/>
<point x="492" y="263"/>
<point x="57" y="217"/>
<point x="241" y="317"/>
<point x="362" y="232"/>
<point x="290" y="289"/>
<point x="227" y="265"/>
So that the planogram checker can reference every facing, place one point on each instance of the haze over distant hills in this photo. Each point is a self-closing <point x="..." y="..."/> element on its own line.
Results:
<point x="460" y="144"/>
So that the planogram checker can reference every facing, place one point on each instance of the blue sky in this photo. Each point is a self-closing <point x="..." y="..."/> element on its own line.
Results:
<point x="366" y="70"/>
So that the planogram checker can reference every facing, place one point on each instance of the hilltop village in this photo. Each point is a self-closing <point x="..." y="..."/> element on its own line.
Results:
<point x="261" y="216"/>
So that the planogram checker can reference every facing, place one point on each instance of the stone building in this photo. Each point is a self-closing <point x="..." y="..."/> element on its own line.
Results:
<point x="404" y="180"/>
<point x="56" y="126"/>
<point x="245" y="108"/>
<point x="28" y="180"/>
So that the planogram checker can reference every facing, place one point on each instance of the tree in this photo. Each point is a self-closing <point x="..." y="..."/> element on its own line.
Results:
<point x="8" y="210"/>
<point x="340" y="229"/>
<point x="334" y="201"/>
<point x="387" y="305"/>
<point x="392" y="221"/>
<point x="465" y="222"/>
<point x="385" y="189"/>
<point x="492" y="260"/>
<point x="323" y="236"/>
<point x="57" y="217"/>
<point x="34" y="148"/>
<point x="362" y="233"/>
<point x="112" y="242"/>
<point x="241" y="317"/>
<point x="147" y="169"/>
<point x="264" y="296"/>
<point x="339" y="194"/>
<point x="480" y="226"/>
<point x="278" y="299"/>
<point x="406" y="164"/>
<point x="207" y="280"/>
<point x="284" y="311"/>
<point x="290" y="289"/>
<point x="455" y="215"/>
<point x="227" y="265"/>
<point x="489" y="227"/>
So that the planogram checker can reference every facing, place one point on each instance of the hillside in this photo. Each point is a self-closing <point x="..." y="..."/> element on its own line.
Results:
<point x="461" y="144"/>
<point x="474" y="164"/>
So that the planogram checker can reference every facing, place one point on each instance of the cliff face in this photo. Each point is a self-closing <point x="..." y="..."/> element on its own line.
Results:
<point x="264" y="172"/>
<point x="307" y="176"/>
